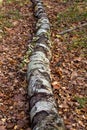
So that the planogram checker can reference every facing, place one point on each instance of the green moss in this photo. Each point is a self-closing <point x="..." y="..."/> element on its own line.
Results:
<point x="6" y="19"/>
<point x="78" y="40"/>
<point x="82" y="101"/>
<point x="71" y="17"/>
<point x="25" y="60"/>
<point x="19" y="2"/>
<point x="14" y="14"/>
<point x="9" y="1"/>
<point x="73" y="1"/>
<point x="82" y="42"/>
<point x="74" y="13"/>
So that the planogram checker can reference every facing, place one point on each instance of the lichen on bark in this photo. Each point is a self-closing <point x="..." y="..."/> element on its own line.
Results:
<point x="43" y="109"/>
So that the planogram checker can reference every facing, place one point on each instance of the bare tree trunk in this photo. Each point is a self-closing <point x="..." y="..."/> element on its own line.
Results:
<point x="43" y="109"/>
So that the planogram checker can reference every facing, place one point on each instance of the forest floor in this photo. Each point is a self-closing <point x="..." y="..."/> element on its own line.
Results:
<point x="68" y="65"/>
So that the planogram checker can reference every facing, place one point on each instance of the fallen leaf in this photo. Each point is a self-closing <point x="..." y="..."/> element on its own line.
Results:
<point x="74" y="75"/>
<point x="56" y="85"/>
<point x="3" y="119"/>
<point x="15" y="23"/>
<point x="58" y="71"/>
<point x="15" y="127"/>
<point x="2" y="128"/>
<point x="10" y="125"/>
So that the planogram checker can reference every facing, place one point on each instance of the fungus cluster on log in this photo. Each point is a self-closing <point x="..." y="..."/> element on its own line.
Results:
<point x="43" y="109"/>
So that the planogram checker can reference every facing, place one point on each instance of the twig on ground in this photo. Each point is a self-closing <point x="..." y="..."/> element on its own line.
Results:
<point x="71" y="29"/>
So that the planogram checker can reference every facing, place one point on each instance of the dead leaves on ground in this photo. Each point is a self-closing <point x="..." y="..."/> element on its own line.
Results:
<point x="69" y="67"/>
<point x="15" y="31"/>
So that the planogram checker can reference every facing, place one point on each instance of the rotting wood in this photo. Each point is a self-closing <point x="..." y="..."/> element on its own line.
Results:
<point x="43" y="109"/>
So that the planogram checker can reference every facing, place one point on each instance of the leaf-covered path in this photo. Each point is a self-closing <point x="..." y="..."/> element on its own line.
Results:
<point x="68" y="65"/>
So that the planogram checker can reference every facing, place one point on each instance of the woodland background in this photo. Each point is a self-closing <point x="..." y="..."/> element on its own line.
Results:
<point x="68" y="64"/>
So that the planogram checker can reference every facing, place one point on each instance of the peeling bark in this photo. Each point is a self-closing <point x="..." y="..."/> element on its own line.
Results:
<point x="43" y="109"/>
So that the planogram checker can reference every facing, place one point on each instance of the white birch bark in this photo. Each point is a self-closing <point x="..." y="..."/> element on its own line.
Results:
<point x="43" y="109"/>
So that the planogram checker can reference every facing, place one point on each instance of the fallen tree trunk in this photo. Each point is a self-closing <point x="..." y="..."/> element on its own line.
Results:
<point x="43" y="109"/>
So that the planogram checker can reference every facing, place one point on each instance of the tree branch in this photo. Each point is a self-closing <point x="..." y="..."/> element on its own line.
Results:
<point x="71" y="29"/>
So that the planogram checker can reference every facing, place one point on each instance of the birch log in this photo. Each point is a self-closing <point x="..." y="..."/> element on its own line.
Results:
<point x="43" y="109"/>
